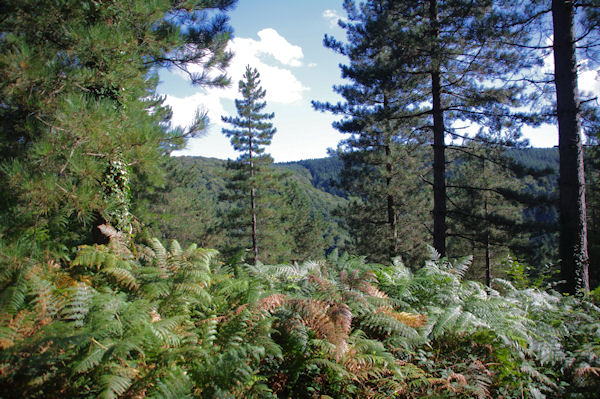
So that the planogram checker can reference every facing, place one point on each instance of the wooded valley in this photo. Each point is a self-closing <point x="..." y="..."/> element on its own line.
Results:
<point x="433" y="254"/>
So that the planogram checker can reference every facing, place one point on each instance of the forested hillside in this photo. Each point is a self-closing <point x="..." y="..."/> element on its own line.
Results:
<point x="189" y="207"/>
<point x="434" y="254"/>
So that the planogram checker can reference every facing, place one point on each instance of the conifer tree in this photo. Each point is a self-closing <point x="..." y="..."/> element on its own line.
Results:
<point x="380" y="162"/>
<point x="573" y="26"/>
<point x="78" y="95"/>
<point x="423" y="67"/>
<point x="454" y="55"/>
<point x="305" y="228"/>
<point x="485" y="216"/>
<point x="252" y="131"/>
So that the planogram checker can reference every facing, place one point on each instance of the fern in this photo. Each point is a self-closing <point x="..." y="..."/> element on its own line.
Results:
<point x="113" y="385"/>
<point x="174" y="384"/>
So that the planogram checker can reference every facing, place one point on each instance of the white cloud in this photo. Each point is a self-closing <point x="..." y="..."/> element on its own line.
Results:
<point x="277" y="79"/>
<point x="274" y="44"/>
<point x="184" y="109"/>
<point x="332" y="16"/>
<point x="588" y="81"/>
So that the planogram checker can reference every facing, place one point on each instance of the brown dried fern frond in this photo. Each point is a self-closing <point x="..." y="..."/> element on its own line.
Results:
<point x="459" y="378"/>
<point x="587" y="370"/>
<point x="331" y="322"/>
<point x="373" y="291"/>
<point x="410" y="319"/>
<point x="322" y="283"/>
<point x="271" y="302"/>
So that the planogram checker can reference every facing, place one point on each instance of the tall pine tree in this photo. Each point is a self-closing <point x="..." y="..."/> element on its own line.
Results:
<point x="252" y="131"/>
<point x="573" y="249"/>
<point x="573" y="27"/>
<point x="454" y="53"/>
<point x="380" y="159"/>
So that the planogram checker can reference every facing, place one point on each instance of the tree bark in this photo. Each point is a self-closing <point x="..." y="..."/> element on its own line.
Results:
<point x="572" y="208"/>
<point x="488" y="264"/>
<point x="439" y="146"/>
<point x="253" y="205"/>
<point x="391" y="206"/>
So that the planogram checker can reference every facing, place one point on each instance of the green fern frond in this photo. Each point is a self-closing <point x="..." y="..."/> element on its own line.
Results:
<point x="190" y="250"/>
<point x="174" y="384"/>
<point x="204" y="258"/>
<point x="191" y="288"/>
<point x="77" y="307"/>
<point x="113" y="385"/>
<point x="175" y="249"/>
<point x="433" y="254"/>
<point x="123" y="277"/>
<point x="460" y="266"/>
<point x="165" y="330"/>
<point x="91" y="360"/>
<point x="446" y="320"/>
<point x="159" y="253"/>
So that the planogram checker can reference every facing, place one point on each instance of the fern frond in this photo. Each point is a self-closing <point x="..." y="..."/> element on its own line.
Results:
<point x="159" y="253"/>
<point x="113" y="385"/>
<point x="123" y="276"/>
<point x="446" y="320"/>
<point x="460" y="266"/>
<point x="91" y="360"/>
<point x="165" y="330"/>
<point x="434" y="255"/>
<point x="174" y="384"/>
<point x="175" y="249"/>
<point x="204" y="258"/>
<point x="272" y="302"/>
<point x="77" y="307"/>
<point x="410" y="319"/>
<point x="190" y="250"/>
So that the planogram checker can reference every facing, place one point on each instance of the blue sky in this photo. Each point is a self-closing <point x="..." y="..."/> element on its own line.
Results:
<point x="283" y="40"/>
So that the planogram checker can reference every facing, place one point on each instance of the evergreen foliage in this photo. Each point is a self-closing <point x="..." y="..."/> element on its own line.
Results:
<point x="380" y="162"/>
<point x="485" y="215"/>
<point x="265" y="212"/>
<point x="250" y="180"/>
<point x="78" y="95"/>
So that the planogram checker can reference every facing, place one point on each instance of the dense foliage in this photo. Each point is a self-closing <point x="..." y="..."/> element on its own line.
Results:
<point x="135" y="320"/>
<point x="78" y="97"/>
<point x="348" y="301"/>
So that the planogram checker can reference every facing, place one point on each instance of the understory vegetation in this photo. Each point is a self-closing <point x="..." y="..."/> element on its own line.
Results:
<point x="132" y="320"/>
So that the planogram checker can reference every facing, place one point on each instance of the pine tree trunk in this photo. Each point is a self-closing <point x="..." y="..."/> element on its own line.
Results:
<point x="573" y="231"/>
<point x="488" y="265"/>
<point x="439" y="156"/>
<point x="391" y="207"/>
<point x="253" y="206"/>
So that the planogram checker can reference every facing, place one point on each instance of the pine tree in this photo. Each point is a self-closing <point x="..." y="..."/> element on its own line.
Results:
<point x="485" y="217"/>
<point x="305" y="228"/>
<point x="454" y="52"/>
<point x="251" y="132"/>
<point x="78" y="96"/>
<point x="380" y="160"/>
<point x="443" y="61"/>
<point x="573" y="28"/>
